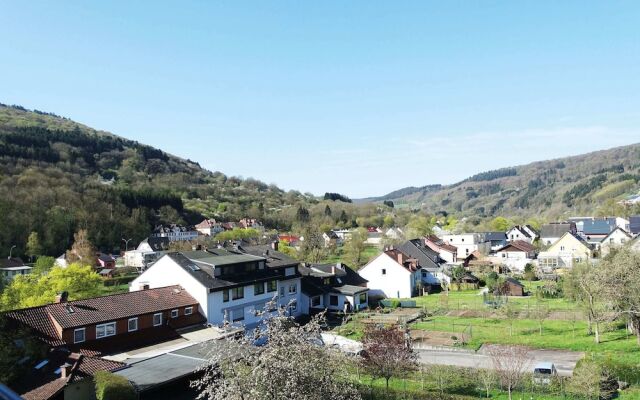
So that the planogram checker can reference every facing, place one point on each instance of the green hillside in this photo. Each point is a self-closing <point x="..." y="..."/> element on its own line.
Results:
<point x="588" y="183"/>
<point x="57" y="176"/>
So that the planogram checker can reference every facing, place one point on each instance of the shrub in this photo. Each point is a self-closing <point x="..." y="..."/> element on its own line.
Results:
<point x="113" y="387"/>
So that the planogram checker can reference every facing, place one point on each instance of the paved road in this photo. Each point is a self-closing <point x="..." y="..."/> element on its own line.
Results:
<point x="565" y="361"/>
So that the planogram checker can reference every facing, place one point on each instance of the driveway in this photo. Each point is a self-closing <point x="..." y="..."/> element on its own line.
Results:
<point x="565" y="361"/>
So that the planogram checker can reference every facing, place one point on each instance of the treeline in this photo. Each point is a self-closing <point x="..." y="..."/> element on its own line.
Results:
<point x="337" y="197"/>
<point x="494" y="174"/>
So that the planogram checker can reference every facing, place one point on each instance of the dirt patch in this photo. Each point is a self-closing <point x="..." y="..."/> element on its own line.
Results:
<point x="436" y="338"/>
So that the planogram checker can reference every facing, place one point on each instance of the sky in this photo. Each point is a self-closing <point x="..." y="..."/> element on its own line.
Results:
<point x="356" y="97"/>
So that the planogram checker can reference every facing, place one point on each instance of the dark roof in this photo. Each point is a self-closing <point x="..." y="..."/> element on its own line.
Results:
<point x="157" y="243"/>
<point x="11" y="262"/>
<point x="634" y="224"/>
<point x="106" y="258"/>
<point x="200" y="265"/>
<point x="522" y="230"/>
<point x="342" y="279"/>
<point x="519" y="245"/>
<point x="514" y="281"/>
<point x="442" y="244"/>
<point x="595" y="226"/>
<point x="427" y="258"/>
<point x="493" y="236"/>
<point x="275" y="259"/>
<point x="556" y="229"/>
<point x="331" y="234"/>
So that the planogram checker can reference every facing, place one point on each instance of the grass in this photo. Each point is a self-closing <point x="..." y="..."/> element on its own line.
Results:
<point x="114" y="289"/>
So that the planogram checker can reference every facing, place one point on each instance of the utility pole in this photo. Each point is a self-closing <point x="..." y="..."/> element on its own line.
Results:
<point x="10" y="251"/>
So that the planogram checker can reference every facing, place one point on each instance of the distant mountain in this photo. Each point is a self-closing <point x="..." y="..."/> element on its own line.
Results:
<point x="548" y="189"/>
<point x="57" y="176"/>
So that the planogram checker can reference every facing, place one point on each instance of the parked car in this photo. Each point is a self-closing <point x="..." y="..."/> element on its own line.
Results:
<point x="544" y="373"/>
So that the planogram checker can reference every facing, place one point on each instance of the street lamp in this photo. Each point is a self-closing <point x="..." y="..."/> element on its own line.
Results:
<point x="126" y="244"/>
<point x="11" y="250"/>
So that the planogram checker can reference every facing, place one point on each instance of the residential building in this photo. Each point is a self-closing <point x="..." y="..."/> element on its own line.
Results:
<point x="330" y="239"/>
<point x="429" y="261"/>
<point x="617" y="238"/>
<point x="175" y="233"/>
<point x="77" y="333"/>
<point x="552" y="232"/>
<point x="147" y="252"/>
<point x="229" y="285"/>
<point x="569" y="249"/>
<point x="106" y="261"/>
<point x="209" y="227"/>
<point x="12" y="267"/>
<point x="522" y="232"/>
<point x="467" y="243"/>
<point x="593" y="230"/>
<point x="496" y="239"/>
<point x="446" y="251"/>
<point x="394" y="233"/>
<point x="251" y="223"/>
<point x="516" y="255"/>
<point x="374" y="238"/>
<point x="334" y="287"/>
<point x="392" y="274"/>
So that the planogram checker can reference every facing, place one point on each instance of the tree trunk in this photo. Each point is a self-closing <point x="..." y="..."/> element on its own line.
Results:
<point x="509" y="389"/>
<point x="597" y="332"/>
<point x="589" y="329"/>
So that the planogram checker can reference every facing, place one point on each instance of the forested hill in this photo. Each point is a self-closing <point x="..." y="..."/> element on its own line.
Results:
<point x="592" y="183"/>
<point x="57" y="176"/>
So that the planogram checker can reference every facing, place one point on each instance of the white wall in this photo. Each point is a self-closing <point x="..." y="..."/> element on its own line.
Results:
<point x="396" y="283"/>
<point x="467" y="243"/>
<point x="515" y="260"/>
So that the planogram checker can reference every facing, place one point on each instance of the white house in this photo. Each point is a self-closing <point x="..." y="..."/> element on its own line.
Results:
<point x="392" y="274"/>
<point x="515" y="255"/>
<point x="175" y="233"/>
<point x="446" y="251"/>
<point x="467" y="243"/>
<point x="617" y="238"/>
<point x="522" y="232"/>
<point x="227" y="285"/>
<point x="552" y="232"/>
<point x="209" y="227"/>
<point x="394" y="233"/>
<point x="334" y="287"/>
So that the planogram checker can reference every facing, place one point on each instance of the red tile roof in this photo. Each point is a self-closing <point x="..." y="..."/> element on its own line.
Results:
<point x="39" y="320"/>
<point x="519" y="245"/>
<point x="118" y="306"/>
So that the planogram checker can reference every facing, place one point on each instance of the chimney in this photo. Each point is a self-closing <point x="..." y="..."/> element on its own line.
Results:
<point x="400" y="258"/>
<point x="62" y="297"/>
<point x="339" y="266"/>
<point x="65" y="370"/>
<point x="274" y="245"/>
<point x="333" y="270"/>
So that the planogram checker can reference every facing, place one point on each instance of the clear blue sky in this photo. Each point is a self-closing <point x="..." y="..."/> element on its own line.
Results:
<point x="354" y="97"/>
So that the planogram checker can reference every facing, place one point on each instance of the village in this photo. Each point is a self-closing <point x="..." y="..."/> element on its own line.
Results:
<point x="455" y="294"/>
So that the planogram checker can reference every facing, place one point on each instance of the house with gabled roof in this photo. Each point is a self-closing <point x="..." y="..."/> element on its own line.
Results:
<point x="429" y="260"/>
<point x="617" y="238"/>
<point x="496" y="239"/>
<point x="515" y="255"/>
<point x="525" y="233"/>
<point x="594" y="229"/>
<point x="12" y="267"/>
<point x="209" y="227"/>
<point x="230" y="285"/>
<point x="334" y="287"/>
<point x="78" y="333"/>
<point x="393" y="274"/>
<point x="565" y="252"/>
<point x="446" y="251"/>
<point x="552" y="232"/>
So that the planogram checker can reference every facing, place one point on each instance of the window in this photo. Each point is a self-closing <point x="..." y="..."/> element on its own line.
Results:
<point x="290" y="271"/>
<point x="78" y="335"/>
<point x="104" y="330"/>
<point x="188" y="310"/>
<point x="362" y="298"/>
<point x="238" y="315"/>
<point x="333" y="300"/>
<point x="237" y="293"/>
<point x="174" y="313"/>
<point x="315" y="301"/>
<point x="132" y="325"/>
<point x="326" y="281"/>
<point x="258" y="288"/>
<point x="225" y="296"/>
<point x="561" y="248"/>
<point x="281" y="291"/>
<point x="293" y="288"/>
<point x="272" y="286"/>
<point x="157" y="319"/>
<point x="384" y="271"/>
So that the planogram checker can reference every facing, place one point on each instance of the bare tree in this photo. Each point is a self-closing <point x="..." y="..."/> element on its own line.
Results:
<point x="487" y="377"/>
<point x="291" y="364"/>
<point x="387" y="352"/>
<point x="510" y="364"/>
<point x="441" y="375"/>
<point x="541" y="313"/>
<point x="509" y="312"/>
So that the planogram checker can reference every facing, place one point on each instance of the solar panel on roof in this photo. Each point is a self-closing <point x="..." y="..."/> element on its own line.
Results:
<point x="194" y="267"/>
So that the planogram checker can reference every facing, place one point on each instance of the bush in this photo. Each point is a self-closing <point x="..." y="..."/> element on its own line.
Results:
<point x="113" y="387"/>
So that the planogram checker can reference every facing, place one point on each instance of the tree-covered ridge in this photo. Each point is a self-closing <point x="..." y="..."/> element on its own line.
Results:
<point x="592" y="183"/>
